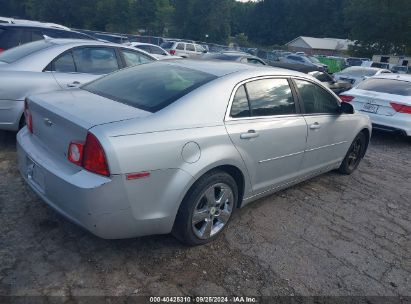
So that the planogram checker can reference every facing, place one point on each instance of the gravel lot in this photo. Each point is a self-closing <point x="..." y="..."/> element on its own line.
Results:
<point x="333" y="235"/>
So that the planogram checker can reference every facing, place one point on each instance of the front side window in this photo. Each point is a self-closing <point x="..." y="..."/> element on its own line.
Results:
<point x="95" y="60"/>
<point x="270" y="97"/>
<point x="315" y="99"/>
<point x="134" y="58"/>
<point x="240" y="107"/>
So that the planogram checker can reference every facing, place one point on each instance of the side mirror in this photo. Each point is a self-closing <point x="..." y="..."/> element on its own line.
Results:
<point x="346" y="108"/>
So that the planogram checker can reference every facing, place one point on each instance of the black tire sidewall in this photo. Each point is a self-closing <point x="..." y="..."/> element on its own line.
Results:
<point x="182" y="229"/>
<point x="344" y="168"/>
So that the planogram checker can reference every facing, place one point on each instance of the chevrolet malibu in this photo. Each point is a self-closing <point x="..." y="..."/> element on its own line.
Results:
<point x="178" y="146"/>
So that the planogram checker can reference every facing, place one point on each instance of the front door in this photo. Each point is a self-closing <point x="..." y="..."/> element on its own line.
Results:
<point x="268" y="131"/>
<point x="329" y="131"/>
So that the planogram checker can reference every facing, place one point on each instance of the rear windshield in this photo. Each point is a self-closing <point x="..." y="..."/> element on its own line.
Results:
<point x="359" y="71"/>
<point x="150" y="87"/>
<point x="24" y="50"/>
<point x="389" y="86"/>
<point x="167" y="45"/>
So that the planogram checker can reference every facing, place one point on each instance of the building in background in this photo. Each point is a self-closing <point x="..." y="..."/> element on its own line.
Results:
<point x="320" y="46"/>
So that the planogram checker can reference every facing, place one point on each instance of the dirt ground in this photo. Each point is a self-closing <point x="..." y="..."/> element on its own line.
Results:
<point x="333" y="235"/>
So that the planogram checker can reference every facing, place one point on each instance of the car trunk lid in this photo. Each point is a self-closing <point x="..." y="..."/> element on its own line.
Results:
<point x="65" y="116"/>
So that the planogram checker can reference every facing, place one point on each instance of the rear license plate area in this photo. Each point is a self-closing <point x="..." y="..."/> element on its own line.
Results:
<point x="35" y="175"/>
<point x="370" y="108"/>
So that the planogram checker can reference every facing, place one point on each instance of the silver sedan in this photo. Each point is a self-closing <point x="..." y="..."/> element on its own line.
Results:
<point x="56" y="64"/>
<point x="177" y="146"/>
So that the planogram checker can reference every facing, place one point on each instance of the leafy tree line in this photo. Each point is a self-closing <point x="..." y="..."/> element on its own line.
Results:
<point x="380" y="26"/>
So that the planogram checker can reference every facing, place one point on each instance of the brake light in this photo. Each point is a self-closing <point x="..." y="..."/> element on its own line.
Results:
<point x="400" y="108"/>
<point x="172" y="52"/>
<point x="346" y="98"/>
<point x="94" y="159"/>
<point x="89" y="155"/>
<point x="27" y="115"/>
<point x="2" y="50"/>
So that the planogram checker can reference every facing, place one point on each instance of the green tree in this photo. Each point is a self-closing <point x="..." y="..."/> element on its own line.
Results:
<point x="379" y="26"/>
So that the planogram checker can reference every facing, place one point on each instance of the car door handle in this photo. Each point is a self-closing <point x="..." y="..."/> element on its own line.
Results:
<point x="249" y="135"/>
<point x="315" y="126"/>
<point x="73" y="84"/>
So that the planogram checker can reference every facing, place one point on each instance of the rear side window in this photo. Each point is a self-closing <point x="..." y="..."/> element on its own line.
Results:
<point x="149" y="87"/>
<point x="266" y="97"/>
<point x="95" y="60"/>
<point x="144" y="48"/>
<point x="270" y="97"/>
<point x="134" y="58"/>
<point x="157" y="51"/>
<point x="389" y="86"/>
<point x="24" y="50"/>
<point x="65" y="64"/>
<point x="315" y="99"/>
<point x="180" y="46"/>
<point x="240" y="107"/>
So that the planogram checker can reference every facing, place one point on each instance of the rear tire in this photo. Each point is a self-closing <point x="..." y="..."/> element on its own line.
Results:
<point x="22" y="122"/>
<point x="354" y="155"/>
<point x="206" y="209"/>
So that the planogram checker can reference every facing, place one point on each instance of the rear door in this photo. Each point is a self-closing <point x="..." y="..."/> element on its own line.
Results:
<point x="266" y="127"/>
<point x="329" y="131"/>
<point x="83" y="64"/>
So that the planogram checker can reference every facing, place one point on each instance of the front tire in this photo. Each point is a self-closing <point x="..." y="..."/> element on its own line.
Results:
<point x="206" y="209"/>
<point x="354" y="155"/>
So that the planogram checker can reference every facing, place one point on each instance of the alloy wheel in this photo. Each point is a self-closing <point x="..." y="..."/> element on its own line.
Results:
<point x="212" y="211"/>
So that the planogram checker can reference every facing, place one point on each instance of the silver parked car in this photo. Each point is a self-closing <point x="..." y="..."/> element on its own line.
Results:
<point x="55" y="64"/>
<point x="176" y="146"/>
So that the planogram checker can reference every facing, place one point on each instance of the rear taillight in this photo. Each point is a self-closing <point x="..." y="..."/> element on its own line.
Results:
<point x="2" y="50"/>
<point x="346" y="98"/>
<point x="400" y="108"/>
<point x="89" y="155"/>
<point x="172" y="52"/>
<point x="27" y="115"/>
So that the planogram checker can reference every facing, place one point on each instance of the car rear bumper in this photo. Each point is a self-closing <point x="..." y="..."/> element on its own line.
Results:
<point x="102" y="205"/>
<point x="11" y="112"/>
<point x="397" y="123"/>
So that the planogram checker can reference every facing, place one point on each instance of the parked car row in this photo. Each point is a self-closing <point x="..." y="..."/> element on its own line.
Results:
<point x="56" y="64"/>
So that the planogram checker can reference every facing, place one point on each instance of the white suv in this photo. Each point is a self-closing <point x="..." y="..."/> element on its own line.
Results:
<point x="183" y="49"/>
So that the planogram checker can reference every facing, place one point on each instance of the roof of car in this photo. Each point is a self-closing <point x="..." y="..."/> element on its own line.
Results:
<point x="33" y="25"/>
<point x="402" y="77"/>
<point x="220" y="69"/>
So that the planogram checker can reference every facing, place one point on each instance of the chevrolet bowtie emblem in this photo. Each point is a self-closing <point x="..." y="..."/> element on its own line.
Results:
<point x="48" y="122"/>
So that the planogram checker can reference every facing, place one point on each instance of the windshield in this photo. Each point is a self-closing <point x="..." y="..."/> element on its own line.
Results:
<point x="388" y="86"/>
<point x="24" y="50"/>
<point x="149" y="87"/>
<point x="355" y="71"/>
